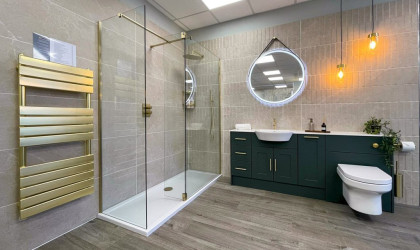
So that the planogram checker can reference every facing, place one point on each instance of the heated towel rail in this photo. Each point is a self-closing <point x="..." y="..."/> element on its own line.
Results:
<point x="48" y="185"/>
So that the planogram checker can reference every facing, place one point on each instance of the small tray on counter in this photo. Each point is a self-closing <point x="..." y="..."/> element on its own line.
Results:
<point x="318" y="131"/>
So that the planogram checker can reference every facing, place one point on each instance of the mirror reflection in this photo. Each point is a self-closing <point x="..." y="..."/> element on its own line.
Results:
<point x="276" y="77"/>
<point x="191" y="87"/>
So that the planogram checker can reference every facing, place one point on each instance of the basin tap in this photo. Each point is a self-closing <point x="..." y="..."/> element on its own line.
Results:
<point x="274" y="124"/>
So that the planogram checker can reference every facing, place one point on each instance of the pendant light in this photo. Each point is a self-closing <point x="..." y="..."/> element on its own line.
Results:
<point x="341" y="66"/>
<point x="373" y="37"/>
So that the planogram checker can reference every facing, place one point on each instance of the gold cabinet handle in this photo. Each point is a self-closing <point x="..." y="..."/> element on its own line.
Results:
<point x="240" y="139"/>
<point x="240" y="153"/>
<point x="275" y="165"/>
<point x="242" y="169"/>
<point x="270" y="164"/>
<point x="375" y="145"/>
<point x="311" y="137"/>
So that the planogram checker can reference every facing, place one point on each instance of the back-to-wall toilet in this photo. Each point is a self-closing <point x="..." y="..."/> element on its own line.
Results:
<point x="363" y="187"/>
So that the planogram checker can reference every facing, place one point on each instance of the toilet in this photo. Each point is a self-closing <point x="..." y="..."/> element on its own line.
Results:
<point x="363" y="187"/>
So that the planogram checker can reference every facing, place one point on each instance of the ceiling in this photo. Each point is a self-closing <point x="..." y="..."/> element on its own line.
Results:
<point x="193" y="14"/>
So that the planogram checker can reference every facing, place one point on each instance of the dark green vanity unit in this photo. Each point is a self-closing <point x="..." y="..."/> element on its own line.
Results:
<point x="306" y="165"/>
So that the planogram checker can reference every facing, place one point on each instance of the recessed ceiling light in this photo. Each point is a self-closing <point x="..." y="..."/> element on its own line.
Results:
<point x="265" y="59"/>
<point x="213" y="4"/>
<point x="277" y="78"/>
<point x="281" y="86"/>
<point x="272" y="72"/>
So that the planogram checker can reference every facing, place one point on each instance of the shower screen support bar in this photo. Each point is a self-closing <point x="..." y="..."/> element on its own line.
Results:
<point x="151" y="31"/>
<point x="183" y="36"/>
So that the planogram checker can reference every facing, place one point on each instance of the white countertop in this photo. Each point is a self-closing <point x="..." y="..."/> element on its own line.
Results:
<point x="311" y="133"/>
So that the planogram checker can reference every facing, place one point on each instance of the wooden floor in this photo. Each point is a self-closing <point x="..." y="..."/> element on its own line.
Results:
<point x="231" y="217"/>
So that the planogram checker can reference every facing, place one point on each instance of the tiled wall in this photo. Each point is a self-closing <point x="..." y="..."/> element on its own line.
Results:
<point x="382" y="83"/>
<point x="70" y="21"/>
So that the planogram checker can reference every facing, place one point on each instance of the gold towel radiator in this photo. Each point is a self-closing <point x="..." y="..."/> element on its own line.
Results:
<point x="48" y="185"/>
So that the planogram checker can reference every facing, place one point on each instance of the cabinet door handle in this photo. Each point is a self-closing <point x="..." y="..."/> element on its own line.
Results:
<point x="311" y="137"/>
<point x="270" y="164"/>
<point x="242" y="169"/>
<point x="375" y="145"/>
<point x="240" y="153"/>
<point x="240" y="139"/>
<point x="275" y="165"/>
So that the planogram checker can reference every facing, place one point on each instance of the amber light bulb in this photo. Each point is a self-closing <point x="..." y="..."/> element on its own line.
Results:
<point x="373" y="37"/>
<point x="340" y="74"/>
<point x="340" y="71"/>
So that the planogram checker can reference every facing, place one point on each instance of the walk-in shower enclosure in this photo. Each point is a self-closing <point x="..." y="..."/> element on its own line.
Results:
<point x="155" y="160"/>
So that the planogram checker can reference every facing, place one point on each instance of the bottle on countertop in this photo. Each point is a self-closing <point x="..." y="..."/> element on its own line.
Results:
<point x="311" y="124"/>
<point x="323" y="127"/>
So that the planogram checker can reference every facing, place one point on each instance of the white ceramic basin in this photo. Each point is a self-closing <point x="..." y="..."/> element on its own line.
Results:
<point x="273" y="135"/>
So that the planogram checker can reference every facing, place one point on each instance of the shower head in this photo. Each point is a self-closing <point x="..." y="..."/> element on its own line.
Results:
<point x="194" y="55"/>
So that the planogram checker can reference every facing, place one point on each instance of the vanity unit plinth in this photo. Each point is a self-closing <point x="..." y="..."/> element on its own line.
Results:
<point x="306" y="165"/>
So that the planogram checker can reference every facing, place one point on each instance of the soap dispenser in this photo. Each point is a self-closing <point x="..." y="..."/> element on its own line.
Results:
<point x="324" y="127"/>
<point x="311" y="124"/>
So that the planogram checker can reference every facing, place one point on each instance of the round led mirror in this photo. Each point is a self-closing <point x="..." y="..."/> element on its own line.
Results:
<point x="191" y="87"/>
<point x="277" y="77"/>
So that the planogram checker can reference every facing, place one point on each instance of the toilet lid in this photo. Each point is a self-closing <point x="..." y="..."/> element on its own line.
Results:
<point x="366" y="174"/>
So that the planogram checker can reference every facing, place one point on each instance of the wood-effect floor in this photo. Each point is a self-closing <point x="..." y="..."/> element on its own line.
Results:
<point x="231" y="217"/>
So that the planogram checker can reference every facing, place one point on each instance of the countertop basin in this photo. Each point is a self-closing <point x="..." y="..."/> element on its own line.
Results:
<point x="273" y="135"/>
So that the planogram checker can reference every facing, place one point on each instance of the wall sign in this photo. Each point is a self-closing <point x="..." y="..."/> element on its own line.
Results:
<point x="53" y="50"/>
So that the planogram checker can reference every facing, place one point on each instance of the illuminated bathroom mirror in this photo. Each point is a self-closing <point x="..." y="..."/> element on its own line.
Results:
<point x="277" y="77"/>
<point x="191" y="88"/>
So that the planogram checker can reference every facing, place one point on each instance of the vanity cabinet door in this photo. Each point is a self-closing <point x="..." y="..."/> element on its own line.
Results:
<point x="311" y="149"/>
<point x="285" y="166"/>
<point x="262" y="163"/>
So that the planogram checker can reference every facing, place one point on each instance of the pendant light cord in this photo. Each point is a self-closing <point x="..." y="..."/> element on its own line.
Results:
<point x="341" y="30"/>
<point x="373" y="19"/>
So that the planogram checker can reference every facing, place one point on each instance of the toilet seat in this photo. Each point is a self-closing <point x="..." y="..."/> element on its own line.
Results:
<point x="365" y="174"/>
<point x="364" y="185"/>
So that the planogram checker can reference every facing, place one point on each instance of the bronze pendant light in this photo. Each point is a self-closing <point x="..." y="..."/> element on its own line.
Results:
<point x="373" y="37"/>
<point x="341" y="66"/>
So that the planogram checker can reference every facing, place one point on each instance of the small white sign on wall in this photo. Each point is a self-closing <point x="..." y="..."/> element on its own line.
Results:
<point x="53" y="50"/>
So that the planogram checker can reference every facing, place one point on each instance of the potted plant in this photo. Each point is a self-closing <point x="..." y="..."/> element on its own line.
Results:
<point x="390" y="140"/>
<point x="374" y="125"/>
<point x="390" y="143"/>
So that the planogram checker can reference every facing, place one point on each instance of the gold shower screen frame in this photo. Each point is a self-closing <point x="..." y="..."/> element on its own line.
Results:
<point x="51" y="184"/>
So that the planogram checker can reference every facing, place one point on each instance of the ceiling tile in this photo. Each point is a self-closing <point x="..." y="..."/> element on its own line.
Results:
<point x="182" y="8"/>
<point x="199" y="20"/>
<point x="181" y="25"/>
<point x="266" y="5"/>
<point x="232" y="11"/>
<point x="158" y="7"/>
